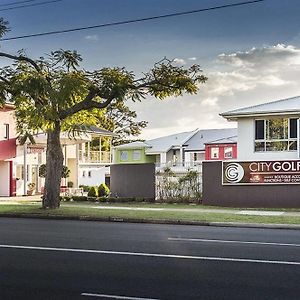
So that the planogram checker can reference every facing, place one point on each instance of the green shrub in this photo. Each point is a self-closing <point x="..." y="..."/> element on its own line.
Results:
<point x="103" y="190"/>
<point x="80" y="198"/>
<point x="85" y="188"/>
<point x="93" y="192"/>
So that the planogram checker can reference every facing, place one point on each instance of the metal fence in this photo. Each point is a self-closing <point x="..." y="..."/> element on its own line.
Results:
<point x="183" y="186"/>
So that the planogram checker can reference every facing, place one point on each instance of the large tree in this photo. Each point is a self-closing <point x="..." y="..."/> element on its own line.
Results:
<point x="54" y="94"/>
<point x="122" y="120"/>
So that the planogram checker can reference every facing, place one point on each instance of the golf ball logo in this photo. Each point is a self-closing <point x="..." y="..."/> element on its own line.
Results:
<point x="234" y="172"/>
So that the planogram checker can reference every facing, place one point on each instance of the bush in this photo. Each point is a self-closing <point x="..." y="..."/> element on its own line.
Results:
<point x="93" y="192"/>
<point x="80" y="198"/>
<point x="70" y="184"/>
<point x="103" y="190"/>
<point x="85" y="188"/>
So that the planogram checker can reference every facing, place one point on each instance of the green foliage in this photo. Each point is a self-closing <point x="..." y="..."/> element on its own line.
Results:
<point x="93" y="192"/>
<point x="79" y="198"/>
<point x="55" y="94"/>
<point x="65" y="171"/>
<point x="103" y="190"/>
<point x="179" y="189"/>
<point x="70" y="184"/>
<point x="85" y="188"/>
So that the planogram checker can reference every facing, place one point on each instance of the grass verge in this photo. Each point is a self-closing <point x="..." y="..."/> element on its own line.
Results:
<point x="184" y="216"/>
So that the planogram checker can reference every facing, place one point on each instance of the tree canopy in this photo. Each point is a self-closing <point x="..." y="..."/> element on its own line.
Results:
<point x="54" y="94"/>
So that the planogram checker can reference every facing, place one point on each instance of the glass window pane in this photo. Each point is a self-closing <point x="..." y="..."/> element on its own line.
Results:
<point x="292" y="145"/>
<point x="137" y="155"/>
<point x="277" y="146"/>
<point x="293" y="128"/>
<point x="228" y="152"/>
<point x="259" y="129"/>
<point x="214" y="152"/>
<point x="277" y="129"/>
<point x="124" y="155"/>
<point x="259" y="146"/>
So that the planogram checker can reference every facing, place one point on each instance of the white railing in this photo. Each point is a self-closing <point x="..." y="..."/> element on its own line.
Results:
<point x="94" y="157"/>
<point x="179" y="167"/>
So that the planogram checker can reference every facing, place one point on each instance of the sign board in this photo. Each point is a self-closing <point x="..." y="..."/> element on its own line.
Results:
<point x="261" y="172"/>
<point x="35" y="150"/>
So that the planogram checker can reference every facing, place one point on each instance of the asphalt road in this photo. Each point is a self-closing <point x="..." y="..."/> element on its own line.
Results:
<point x="49" y="259"/>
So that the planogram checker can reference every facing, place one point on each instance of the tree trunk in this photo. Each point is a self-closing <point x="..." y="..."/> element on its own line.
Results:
<point x="54" y="165"/>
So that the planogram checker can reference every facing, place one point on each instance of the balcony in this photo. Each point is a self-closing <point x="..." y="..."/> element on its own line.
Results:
<point x="94" y="157"/>
<point x="179" y="167"/>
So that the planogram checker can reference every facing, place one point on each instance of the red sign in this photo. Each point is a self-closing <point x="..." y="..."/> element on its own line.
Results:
<point x="35" y="150"/>
<point x="261" y="172"/>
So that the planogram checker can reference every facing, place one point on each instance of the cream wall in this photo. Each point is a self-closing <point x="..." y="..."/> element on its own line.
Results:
<point x="4" y="184"/>
<point x="245" y="144"/>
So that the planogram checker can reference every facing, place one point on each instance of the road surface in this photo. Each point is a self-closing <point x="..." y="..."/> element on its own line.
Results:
<point x="53" y="259"/>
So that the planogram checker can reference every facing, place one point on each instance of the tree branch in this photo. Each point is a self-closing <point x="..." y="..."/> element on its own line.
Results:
<point x="21" y="58"/>
<point x="4" y="79"/>
<point x="86" y="104"/>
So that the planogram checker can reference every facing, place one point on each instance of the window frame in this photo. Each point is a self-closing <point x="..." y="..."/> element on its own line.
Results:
<point x="265" y="141"/>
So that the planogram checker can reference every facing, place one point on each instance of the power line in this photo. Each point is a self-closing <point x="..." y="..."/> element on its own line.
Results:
<point x="18" y="2"/>
<point x="30" y="5"/>
<point x="131" y="21"/>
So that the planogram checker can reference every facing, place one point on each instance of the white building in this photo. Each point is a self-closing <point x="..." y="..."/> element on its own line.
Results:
<point x="88" y="157"/>
<point x="268" y="131"/>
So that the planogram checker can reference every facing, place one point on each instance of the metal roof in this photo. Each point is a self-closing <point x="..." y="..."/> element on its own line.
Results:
<point x="165" y="143"/>
<point x="135" y="145"/>
<point x="203" y="136"/>
<point x="227" y="140"/>
<point x="279" y="107"/>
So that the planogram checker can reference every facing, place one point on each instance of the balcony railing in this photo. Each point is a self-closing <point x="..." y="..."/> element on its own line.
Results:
<point x="179" y="167"/>
<point x="95" y="157"/>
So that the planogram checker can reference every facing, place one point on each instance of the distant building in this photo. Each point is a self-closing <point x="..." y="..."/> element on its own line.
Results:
<point x="180" y="151"/>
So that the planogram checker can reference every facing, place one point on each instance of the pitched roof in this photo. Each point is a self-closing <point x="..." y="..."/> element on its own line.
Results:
<point x="227" y="140"/>
<point x="198" y="141"/>
<point x="283" y="106"/>
<point x="165" y="143"/>
<point x="135" y="145"/>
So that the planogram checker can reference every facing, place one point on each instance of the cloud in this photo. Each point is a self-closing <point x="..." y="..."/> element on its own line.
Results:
<point x="243" y="78"/>
<point x="179" y="61"/>
<point x="210" y="101"/>
<point x="261" y="57"/>
<point x="192" y="58"/>
<point x="93" y="37"/>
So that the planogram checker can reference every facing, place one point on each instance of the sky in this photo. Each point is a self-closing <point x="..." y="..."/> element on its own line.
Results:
<point x="250" y="54"/>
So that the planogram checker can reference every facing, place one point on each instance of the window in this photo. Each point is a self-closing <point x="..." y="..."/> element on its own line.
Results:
<point x="214" y="152"/>
<point x="83" y="173"/>
<point x="20" y="172"/>
<point x="89" y="173"/>
<point x="6" y="131"/>
<point x="124" y="155"/>
<point x="136" y="154"/>
<point x="228" y="152"/>
<point x="276" y="135"/>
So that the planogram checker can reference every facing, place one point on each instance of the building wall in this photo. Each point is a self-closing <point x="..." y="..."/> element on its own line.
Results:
<point x="91" y="175"/>
<point x="4" y="184"/>
<point x="214" y="193"/>
<point x="130" y="157"/>
<point x="245" y="144"/>
<point x="221" y="151"/>
<point x="133" y="180"/>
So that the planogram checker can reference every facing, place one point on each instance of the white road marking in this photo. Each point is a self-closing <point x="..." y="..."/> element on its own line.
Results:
<point x="115" y="297"/>
<point x="211" y="258"/>
<point x="232" y="242"/>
